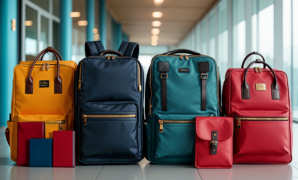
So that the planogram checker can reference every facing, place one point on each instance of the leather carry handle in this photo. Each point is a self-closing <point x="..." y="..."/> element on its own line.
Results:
<point x="111" y="52"/>
<point x="252" y="53"/>
<point x="274" y="87"/>
<point x="60" y="57"/>
<point x="181" y="51"/>
<point x="58" y="79"/>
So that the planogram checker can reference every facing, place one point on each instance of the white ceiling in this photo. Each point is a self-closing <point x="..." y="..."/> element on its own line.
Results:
<point x="179" y="17"/>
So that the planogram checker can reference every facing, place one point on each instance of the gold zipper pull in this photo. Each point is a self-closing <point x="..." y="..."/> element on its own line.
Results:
<point x="85" y="119"/>
<point x="43" y="67"/>
<point x="239" y="122"/>
<point x="260" y="70"/>
<point x="181" y="56"/>
<point x="186" y="57"/>
<point x="256" y="69"/>
<point x="149" y="111"/>
<point x="48" y="66"/>
<point x="140" y="88"/>
<point x="160" y="126"/>
<point x="79" y="85"/>
<point x="60" y="127"/>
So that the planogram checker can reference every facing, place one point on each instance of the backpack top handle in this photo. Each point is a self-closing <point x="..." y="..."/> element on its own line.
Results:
<point x="253" y="53"/>
<point x="181" y="51"/>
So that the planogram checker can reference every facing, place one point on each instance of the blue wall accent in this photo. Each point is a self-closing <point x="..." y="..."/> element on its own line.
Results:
<point x="90" y="11"/>
<point x="8" y="54"/>
<point x="65" y="29"/>
<point x="119" y="34"/>
<point x="103" y="22"/>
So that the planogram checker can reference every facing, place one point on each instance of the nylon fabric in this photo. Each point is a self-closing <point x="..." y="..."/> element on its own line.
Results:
<point x="175" y="145"/>
<point x="43" y="101"/>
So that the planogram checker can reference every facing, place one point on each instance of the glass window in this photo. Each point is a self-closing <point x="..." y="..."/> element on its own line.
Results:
<point x="238" y="33"/>
<point x="198" y="37"/>
<point x="192" y="40"/>
<point x="223" y="41"/>
<point x="31" y="34"/>
<point x="44" y="4"/>
<point x="287" y="40"/>
<point x="263" y="29"/>
<point x="212" y="35"/>
<point x="56" y="35"/>
<point x="56" y="7"/>
<point x="266" y="30"/>
<point x="204" y="37"/>
<point x="44" y="37"/>
<point x="295" y="57"/>
<point x="78" y="44"/>
<point x="44" y="33"/>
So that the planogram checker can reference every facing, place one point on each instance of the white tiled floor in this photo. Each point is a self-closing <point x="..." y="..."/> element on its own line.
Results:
<point x="146" y="171"/>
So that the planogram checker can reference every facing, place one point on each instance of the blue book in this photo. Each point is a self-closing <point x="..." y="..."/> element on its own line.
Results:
<point x="41" y="153"/>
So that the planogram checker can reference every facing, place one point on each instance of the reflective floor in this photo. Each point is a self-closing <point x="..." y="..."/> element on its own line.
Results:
<point x="145" y="170"/>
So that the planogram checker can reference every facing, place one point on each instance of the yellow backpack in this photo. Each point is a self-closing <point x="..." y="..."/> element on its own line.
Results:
<point x="42" y="92"/>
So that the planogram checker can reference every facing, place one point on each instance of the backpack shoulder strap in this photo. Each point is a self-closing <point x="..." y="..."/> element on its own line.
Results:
<point x="93" y="48"/>
<point x="129" y="49"/>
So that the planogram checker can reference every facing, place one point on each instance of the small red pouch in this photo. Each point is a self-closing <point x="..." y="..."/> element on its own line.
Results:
<point x="214" y="142"/>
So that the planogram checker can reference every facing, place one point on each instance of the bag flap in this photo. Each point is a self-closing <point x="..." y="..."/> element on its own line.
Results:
<point x="224" y="126"/>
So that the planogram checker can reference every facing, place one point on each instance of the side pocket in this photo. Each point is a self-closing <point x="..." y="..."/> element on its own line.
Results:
<point x="10" y="127"/>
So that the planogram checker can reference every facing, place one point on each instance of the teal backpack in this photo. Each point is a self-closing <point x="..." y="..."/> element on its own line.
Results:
<point x="178" y="88"/>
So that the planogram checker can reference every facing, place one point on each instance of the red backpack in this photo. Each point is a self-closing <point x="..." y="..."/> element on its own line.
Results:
<point x="259" y="101"/>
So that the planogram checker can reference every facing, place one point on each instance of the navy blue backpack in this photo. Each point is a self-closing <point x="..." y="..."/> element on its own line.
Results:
<point x="109" y="105"/>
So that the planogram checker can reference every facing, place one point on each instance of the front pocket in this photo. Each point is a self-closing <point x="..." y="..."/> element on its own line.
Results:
<point x="52" y="122"/>
<point x="109" y="129"/>
<point x="261" y="133"/>
<point x="175" y="135"/>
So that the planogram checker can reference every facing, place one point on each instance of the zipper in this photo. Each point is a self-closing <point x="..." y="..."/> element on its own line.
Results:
<point x="107" y="116"/>
<point x="139" y="78"/>
<point x="150" y="85"/>
<point x="80" y="76"/>
<point x="172" y="121"/>
<point x="56" y="122"/>
<point x="239" y="119"/>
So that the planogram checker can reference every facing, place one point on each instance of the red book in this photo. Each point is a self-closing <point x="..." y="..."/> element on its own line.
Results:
<point x="27" y="131"/>
<point x="63" y="149"/>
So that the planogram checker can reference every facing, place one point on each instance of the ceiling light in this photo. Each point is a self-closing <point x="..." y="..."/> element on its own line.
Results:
<point x="75" y="14"/>
<point x="154" y="38"/>
<point x="28" y="23"/>
<point x="157" y="14"/>
<point x="95" y="30"/>
<point x="155" y="31"/>
<point x="158" y="2"/>
<point x="153" y="43"/>
<point x="156" y="23"/>
<point x="82" y="23"/>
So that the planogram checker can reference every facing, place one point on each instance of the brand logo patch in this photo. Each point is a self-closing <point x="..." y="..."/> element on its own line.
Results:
<point x="183" y="70"/>
<point x="261" y="87"/>
<point x="44" y="83"/>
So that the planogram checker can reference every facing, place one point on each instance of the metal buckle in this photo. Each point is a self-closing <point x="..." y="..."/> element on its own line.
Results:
<point x="204" y="76"/>
<point x="214" y="143"/>
<point x="163" y="74"/>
